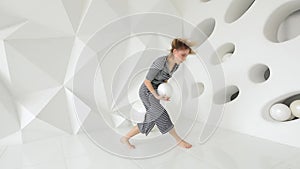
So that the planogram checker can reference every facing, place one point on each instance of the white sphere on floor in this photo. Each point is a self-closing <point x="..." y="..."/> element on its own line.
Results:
<point x="295" y="108"/>
<point x="280" y="112"/>
<point x="137" y="112"/>
<point x="165" y="89"/>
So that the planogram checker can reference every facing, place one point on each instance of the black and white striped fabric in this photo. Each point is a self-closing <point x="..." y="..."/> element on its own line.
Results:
<point x="155" y="112"/>
<point x="159" y="71"/>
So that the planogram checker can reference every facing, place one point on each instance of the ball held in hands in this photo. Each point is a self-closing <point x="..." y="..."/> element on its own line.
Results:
<point x="165" y="89"/>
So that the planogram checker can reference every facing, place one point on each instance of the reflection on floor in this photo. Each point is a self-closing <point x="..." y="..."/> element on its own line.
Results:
<point x="224" y="150"/>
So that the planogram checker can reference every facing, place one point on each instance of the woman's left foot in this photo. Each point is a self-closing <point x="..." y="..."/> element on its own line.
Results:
<point x="184" y="144"/>
<point x="125" y="140"/>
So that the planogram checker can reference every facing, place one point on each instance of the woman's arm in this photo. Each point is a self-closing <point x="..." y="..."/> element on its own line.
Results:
<point x="150" y="87"/>
<point x="155" y="68"/>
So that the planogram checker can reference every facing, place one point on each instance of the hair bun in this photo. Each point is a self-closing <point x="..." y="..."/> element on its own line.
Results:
<point x="179" y="43"/>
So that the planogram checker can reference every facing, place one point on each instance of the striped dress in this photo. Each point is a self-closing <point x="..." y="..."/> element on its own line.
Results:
<point x="155" y="112"/>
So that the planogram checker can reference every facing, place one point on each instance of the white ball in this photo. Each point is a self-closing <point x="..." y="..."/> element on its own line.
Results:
<point x="137" y="112"/>
<point x="165" y="89"/>
<point x="295" y="108"/>
<point x="280" y="112"/>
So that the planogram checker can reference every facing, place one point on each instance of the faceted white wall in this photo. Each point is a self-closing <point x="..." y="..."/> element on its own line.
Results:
<point x="41" y="42"/>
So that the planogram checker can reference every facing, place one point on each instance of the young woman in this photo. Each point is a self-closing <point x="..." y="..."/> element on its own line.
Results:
<point x="160" y="71"/>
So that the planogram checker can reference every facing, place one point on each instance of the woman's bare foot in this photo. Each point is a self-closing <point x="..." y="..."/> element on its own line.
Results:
<point x="125" y="140"/>
<point x="184" y="144"/>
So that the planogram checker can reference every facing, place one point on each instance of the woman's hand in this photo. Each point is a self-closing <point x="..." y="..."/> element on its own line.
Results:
<point x="166" y="98"/>
<point x="159" y="97"/>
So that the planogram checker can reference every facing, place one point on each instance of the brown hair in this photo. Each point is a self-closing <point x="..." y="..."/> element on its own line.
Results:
<point x="177" y="44"/>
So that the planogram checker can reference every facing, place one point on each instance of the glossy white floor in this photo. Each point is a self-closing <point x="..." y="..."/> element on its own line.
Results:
<point x="225" y="150"/>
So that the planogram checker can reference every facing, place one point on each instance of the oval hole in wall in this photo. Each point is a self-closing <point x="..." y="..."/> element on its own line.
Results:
<point x="223" y="53"/>
<point x="197" y="89"/>
<point x="290" y="27"/>
<point x="203" y="31"/>
<point x="283" y="23"/>
<point x="226" y="95"/>
<point x="259" y="73"/>
<point x="290" y="99"/>
<point x="284" y="99"/>
<point x="236" y="9"/>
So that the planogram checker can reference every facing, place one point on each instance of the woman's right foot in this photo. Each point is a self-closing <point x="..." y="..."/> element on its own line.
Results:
<point x="125" y="140"/>
<point x="184" y="144"/>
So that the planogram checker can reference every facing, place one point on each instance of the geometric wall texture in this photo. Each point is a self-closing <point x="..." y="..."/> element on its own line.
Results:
<point x="41" y="42"/>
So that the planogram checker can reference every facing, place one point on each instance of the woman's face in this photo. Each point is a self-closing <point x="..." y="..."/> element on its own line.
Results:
<point x="180" y="55"/>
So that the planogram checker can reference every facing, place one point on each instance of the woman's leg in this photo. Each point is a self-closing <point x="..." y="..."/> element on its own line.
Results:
<point x="143" y="93"/>
<point x="125" y="139"/>
<point x="164" y="123"/>
<point x="180" y="142"/>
